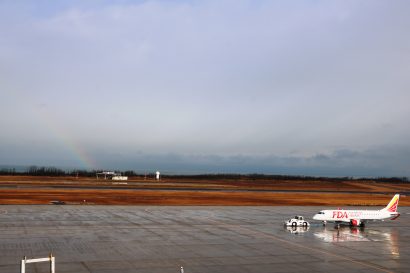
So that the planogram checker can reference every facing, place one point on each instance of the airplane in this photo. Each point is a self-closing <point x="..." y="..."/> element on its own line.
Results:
<point x="359" y="217"/>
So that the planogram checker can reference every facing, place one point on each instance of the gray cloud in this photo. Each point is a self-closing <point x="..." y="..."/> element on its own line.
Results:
<point x="381" y="161"/>
<point x="296" y="80"/>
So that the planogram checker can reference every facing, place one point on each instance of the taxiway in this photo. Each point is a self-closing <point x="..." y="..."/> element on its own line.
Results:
<point x="108" y="239"/>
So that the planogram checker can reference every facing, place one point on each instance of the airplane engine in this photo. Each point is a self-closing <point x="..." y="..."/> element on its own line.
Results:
<point x="355" y="222"/>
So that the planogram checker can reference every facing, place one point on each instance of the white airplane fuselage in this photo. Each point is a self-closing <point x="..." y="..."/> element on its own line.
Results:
<point x="355" y="217"/>
<point x="359" y="217"/>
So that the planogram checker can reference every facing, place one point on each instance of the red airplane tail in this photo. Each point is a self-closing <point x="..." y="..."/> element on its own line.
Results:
<point x="393" y="204"/>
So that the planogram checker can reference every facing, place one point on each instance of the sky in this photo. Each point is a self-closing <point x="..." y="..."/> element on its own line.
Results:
<point x="276" y="87"/>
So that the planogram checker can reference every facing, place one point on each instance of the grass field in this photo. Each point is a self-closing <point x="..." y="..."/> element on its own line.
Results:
<point x="71" y="190"/>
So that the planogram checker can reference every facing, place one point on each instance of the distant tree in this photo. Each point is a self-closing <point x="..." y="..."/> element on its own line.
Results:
<point x="7" y="171"/>
<point x="32" y="170"/>
<point x="130" y="173"/>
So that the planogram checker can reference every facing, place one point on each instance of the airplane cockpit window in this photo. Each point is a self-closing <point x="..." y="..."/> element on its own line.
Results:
<point x="320" y="212"/>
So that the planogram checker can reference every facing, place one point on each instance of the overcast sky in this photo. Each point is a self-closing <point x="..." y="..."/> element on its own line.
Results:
<point x="286" y="87"/>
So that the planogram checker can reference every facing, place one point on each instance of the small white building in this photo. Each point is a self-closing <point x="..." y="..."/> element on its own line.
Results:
<point x="111" y="175"/>
<point x="157" y="175"/>
<point x="120" y="177"/>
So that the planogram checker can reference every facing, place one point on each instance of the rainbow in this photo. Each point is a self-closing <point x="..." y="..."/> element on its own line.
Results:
<point x="78" y="152"/>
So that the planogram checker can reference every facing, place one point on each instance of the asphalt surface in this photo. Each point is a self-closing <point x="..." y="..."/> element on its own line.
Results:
<point x="107" y="239"/>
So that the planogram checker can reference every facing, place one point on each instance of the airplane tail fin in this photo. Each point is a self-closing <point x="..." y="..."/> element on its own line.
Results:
<point x="393" y="204"/>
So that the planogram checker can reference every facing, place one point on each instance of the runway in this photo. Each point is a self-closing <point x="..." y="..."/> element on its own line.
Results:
<point x="201" y="239"/>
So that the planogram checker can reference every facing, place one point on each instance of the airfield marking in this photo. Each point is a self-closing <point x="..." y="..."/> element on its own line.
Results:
<point x="305" y="247"/>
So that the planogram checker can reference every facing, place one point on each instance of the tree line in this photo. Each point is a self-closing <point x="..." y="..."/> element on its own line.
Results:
<point x="257" y="176"/>
<point x="53" y="171"/>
